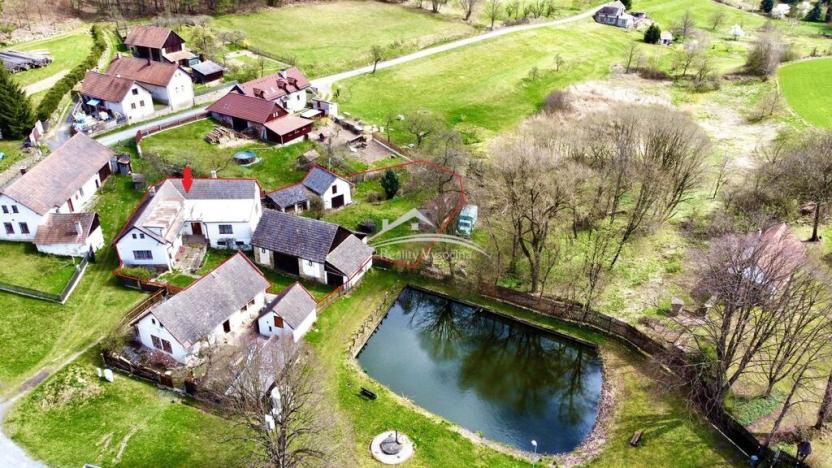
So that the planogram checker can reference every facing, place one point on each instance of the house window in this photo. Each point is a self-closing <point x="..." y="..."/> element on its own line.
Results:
<point x="308" y="263"/>
<point x="160" y="343"/>
<point x="153" y="321"/>
<point x="134" y="235"/>
<point x="278" y="321"/>
<point x="334" y="189"/>
<point x="133" y="105"/>
<point x="141" y="236"/>
<point x="262" y="251"/>
<point x="81" y="191"/>
<point x="135" y="91"/>
<point x="24" y="228"/>
<point x="9" y="228"/>
<point x="226" y="229"/>
<point x="141" y="103"/>
<point x="142" y="255"/>
<point x="14" y="209"/>
<point x="5" y="209"/>
<point x="226" y="326"/>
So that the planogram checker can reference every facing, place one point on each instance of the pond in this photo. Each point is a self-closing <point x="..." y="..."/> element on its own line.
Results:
<point x="508" y="381"/>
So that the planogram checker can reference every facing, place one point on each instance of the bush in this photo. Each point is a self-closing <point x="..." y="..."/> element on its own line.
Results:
<point x="653" y="34"/>
<point x="390" y="183"/>
<point x="53" y="97"/>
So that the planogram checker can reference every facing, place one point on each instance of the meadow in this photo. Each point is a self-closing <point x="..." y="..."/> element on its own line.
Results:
<point x="808" y="91"/>
<point x="67" y="51"/>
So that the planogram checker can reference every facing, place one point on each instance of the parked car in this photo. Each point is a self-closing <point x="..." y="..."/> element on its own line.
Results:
<point x="466" y="220"/>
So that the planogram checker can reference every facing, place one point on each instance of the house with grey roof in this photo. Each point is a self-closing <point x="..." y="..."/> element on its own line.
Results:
<point x="221" y="213"/>
<point x="332" y="190"/>
<point x="213" y="310"/>
<point x="290" y="313"/>
<point x="64" y="182"/>
<point x="310" y="248"/>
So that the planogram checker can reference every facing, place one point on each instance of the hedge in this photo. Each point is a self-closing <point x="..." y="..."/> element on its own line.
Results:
<point x="53" y="97"/>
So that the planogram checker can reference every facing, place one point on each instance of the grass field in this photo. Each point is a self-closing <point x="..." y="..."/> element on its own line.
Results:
<point x="483" y="88"/>
<point x="96" y="305"/>
<point x="67" y="51"/>
<point x="22" y="265"/>
<point x="808" y="90"/>
<point x="323" y="38"/>
<point x="277" y="167"/>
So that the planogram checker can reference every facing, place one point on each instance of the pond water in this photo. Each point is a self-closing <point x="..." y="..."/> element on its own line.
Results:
<point x="508" y="381"/>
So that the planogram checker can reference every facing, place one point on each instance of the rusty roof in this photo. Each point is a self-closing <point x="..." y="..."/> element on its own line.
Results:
<point x="149" y="36"/>
<point x="53" y="181"/>
<point x="247" y="108"/>
<point x="61" y="228"/>
<point x="143" y="70"/>
<point x="105" y="87"/>
<point x="275" y="86"/>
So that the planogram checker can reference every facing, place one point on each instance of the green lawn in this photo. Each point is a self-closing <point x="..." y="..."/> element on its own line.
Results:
<point x="66" y="50"/>
<point x="76" y="418"/>
<point x="12" y="151"/>
<point x="486" y="87"/>
<point x="95" y="307"/>
<point x="808" y="90"/>
<point x="277" y="167"/>
<point x="22" y="265"/>
<point x="323" y="38"/>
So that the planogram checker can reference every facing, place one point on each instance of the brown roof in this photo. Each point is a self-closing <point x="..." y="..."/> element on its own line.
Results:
<point x="143" y="70"/>
<point x="274" y="86"/>
<point x="148" y="36"/>
<point x="61" y="228"/>
<point x="105" y="87"/>
<point x="179" y="55"/>
<point x="287" y="124"/>
<point x="247" y="108"/>
<point x="294" y="304"/>
<point x="52" y="181"/>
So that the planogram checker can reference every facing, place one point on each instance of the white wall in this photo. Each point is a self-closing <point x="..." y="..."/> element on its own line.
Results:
<point x="94" y="240"/>
<point x="24" y="215"/>
<point x="266" y="326"/>
<point x="127" y="244"/>
<point x="294" y="102"/>
<point x="312" y="270"/>
<point x="343" y="188"/>
<point x="180" y="90"/>
<point x="145" y="328"/>
<point x="82" y="197"/>
<point x="355" y="279"/>
<point x="125" y="107"/>
<point x="263" y="257"/>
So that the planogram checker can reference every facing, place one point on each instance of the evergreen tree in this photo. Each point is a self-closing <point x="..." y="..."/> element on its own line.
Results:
<point x="815" y="15"/>
<point x="627" y="3"/>
<point x="390" y="183"/>
<point x="828" y="18"/>
<point x="16" y="116"/>
<point x="653" y="34"/>
<point x="767" y="5"/>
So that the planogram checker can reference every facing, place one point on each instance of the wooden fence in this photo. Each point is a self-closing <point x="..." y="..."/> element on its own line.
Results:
<point x="671" y="358"/>
<point x="44" y="296"/>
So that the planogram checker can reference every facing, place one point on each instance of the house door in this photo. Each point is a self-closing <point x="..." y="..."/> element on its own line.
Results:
<point x="338" y="202"/>
<point x="104" y="172"/>
<point x="287" y="263"/>
<point x="334" y="279"/>
<point x="196" y="228"/>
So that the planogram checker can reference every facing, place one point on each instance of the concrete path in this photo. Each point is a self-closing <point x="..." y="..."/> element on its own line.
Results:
<point x="327" y="81"/>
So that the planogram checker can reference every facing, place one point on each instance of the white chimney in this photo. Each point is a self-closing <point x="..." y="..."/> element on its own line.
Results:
<point x="213" y="174"/>
<point x="78" y="228"/>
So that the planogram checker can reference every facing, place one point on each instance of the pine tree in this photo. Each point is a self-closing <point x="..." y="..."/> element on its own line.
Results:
<point x="767" y="5"/>
<point x="815" y="15"/>
<point x="653" y="34"/>
<point x="390" y="183"/>
<point x="627" y="3"/>
<point x="16" y="115"/>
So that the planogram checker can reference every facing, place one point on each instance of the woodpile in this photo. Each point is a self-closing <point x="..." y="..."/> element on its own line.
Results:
<point x="221" y="135"/>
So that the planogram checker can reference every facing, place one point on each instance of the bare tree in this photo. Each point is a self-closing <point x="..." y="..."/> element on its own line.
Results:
<point x="633" y="57"/>
<point x="685" y="25"/>
<point x="436" y="4"/>
<point x="493" y="9"/>
<point x="717" y="19"/>
<point x="272" y="393"/>
<point x="420" y="124"/>
<point x="467" y="7"/>
<point x="765" y="54"/>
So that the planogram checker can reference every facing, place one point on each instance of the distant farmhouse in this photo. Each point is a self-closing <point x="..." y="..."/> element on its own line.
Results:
<point x="116" y="95"/>
<point x="222" y="213"/>
<point x="265" y="119"/>
<point x="332" y="190"/>
<point x="287" y="88"/>
<point x="166" y="82"/>
<point x="43" y="205"/>
<point x="163" y="45"/>
<point x="309" y="248"/>
<point x="291" y="313"/>
<point x="615" y="14"/>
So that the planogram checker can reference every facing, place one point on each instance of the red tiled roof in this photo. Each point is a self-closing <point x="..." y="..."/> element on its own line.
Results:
<point x="105" y="87"/>
<point x="247" y="108"/>
<point x="61" y="228"/>
<point x="148" y="36"/>
<point x="143" y="70"/>
<point x="274" y="86"/>
<point x="287" y="124"/>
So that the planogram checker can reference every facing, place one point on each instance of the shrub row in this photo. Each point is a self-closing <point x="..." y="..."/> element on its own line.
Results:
<point x="53" y="97"/>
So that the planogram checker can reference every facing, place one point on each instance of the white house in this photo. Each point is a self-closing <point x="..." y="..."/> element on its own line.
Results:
<point x="166" y="82"/>
<point x="115" y="95"/>
<point x="63" y="182"/>
<point x="221" y="212"/>
<point x="287" y="88"/>
<point x="311" y="249"/>
<point x="333" y="190"/>
<point x="290" y="313"/>
<point x="69" y="234"/>
<point x="615" y="14"/>
<point x="666" y="38"/>
<point x="218" y="306"/>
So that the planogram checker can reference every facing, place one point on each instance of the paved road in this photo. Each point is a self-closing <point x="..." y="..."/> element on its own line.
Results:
<point x="327" y="81"/>
<point x="10" y="453"/>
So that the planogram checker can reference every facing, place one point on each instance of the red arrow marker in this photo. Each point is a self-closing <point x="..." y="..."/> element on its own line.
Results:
<point x="187" y="179"/>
